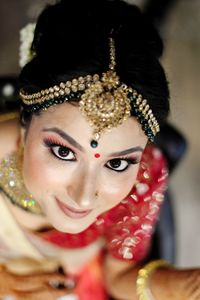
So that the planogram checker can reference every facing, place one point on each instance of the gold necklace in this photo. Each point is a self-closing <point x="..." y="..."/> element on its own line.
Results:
<point x="11" y="183"/>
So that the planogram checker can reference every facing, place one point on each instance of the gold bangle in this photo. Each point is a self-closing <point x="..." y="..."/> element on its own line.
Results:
<point x="142" y="290"/>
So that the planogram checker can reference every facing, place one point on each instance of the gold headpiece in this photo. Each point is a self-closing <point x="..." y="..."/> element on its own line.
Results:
<point x="104" y="101"/>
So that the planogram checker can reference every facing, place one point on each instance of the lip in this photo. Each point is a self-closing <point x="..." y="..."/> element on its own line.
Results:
<point x="72" y="212"/>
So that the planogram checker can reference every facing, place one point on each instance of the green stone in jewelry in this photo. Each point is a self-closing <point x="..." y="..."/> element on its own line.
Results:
<point x="94" y="144"/>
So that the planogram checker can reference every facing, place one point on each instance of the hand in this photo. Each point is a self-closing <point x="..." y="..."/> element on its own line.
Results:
<point x="164" y="283"/>
<point x="175" y="284"/>
<point x="32" y="287"/>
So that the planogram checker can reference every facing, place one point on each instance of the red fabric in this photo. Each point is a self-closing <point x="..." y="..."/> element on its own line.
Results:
<point x="132" y="222"/>
<point x="128" y="227"/>
<point x="91" y="282"/>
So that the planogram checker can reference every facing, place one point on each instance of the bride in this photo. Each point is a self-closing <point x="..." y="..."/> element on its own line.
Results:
<point x="81" y="180"/>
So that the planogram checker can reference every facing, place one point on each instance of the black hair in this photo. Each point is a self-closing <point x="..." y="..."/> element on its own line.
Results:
<point x="72" y="39"/>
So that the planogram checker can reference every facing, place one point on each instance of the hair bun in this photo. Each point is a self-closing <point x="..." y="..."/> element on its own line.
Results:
<point x="72" y="39"/>
<point x="83" y="27"/>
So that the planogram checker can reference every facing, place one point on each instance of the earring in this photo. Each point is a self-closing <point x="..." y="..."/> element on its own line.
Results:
<point x="20" y="154"/>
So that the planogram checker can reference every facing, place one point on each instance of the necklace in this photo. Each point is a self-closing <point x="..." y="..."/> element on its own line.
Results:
<point x="11" y="183"/>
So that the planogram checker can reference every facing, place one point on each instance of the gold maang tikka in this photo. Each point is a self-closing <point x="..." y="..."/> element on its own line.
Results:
<point x="105" y="103"/>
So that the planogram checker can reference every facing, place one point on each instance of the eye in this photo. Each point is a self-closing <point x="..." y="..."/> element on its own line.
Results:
<point x="63" y="153"/>
<point x="60" y="151"/>
<point x="120" y="165"/>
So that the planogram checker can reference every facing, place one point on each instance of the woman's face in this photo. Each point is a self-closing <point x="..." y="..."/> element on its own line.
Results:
<point x="73" y="182"/>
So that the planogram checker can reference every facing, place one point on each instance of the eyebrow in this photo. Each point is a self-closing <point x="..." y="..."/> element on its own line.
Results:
<point x="65" y="136"/>
<point x="128" y="151"/>
<point x="74" y="143"/>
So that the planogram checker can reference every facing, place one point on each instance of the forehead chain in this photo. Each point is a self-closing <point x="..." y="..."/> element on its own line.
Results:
<point x="104" y="101"/>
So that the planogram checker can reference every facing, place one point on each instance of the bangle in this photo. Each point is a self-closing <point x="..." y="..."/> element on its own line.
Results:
<point x="142" y="290"/>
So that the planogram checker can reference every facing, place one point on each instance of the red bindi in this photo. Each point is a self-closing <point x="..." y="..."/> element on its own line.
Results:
<point x="97" y="155"/>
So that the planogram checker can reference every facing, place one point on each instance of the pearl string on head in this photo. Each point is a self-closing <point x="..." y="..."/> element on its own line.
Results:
<point x="105" y="102"/>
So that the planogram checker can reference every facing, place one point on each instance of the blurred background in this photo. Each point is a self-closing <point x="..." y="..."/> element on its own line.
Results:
<point x="178" y="22"/>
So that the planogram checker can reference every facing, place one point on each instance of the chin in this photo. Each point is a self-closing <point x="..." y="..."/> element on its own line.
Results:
<point x="71" y="227"/>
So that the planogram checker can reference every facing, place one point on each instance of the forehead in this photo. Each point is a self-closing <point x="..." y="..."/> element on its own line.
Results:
<point x="68" y="118"/>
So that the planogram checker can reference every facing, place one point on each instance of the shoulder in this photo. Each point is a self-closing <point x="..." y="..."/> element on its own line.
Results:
<point x="9" y="134"/>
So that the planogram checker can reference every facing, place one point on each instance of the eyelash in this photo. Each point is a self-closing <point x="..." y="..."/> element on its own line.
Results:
<point x="130" y="161"/>
<point x="50" y="143"/>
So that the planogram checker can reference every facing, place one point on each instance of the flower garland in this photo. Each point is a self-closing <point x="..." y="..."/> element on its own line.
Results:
<point x="26" y="39"/>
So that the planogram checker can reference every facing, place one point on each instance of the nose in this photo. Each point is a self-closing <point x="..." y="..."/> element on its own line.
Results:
<point x="83" y="191"/>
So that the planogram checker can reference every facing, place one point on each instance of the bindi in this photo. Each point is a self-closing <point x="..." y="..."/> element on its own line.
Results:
<point x="97" y="155"/>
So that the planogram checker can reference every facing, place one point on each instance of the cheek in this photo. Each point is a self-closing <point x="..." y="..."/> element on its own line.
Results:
<point x="39" y="176"/>
<point x="115" y="190"/>
<point x="34" y="171"/>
